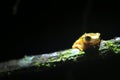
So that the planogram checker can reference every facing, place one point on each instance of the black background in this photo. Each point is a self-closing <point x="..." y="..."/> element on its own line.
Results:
<point x="51" y="25"/>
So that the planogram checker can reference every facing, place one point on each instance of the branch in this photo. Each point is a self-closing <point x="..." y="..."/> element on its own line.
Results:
<point x="110" y="47"/>
<point x="56" y="58"/>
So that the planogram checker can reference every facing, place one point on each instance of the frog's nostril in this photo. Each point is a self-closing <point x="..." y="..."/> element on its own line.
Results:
<point x="88" y="38"/>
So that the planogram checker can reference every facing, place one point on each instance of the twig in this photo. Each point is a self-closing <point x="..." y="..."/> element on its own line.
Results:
<point x="53" y="59"/>
<point x="15" y="7"/>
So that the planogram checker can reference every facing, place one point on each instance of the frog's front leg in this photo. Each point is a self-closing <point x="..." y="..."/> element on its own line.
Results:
<point x="78" y="45"/>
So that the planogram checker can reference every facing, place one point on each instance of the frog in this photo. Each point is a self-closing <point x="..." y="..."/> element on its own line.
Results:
<point x="86" y="41"/>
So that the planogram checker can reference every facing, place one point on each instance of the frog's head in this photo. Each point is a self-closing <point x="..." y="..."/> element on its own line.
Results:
<point x="91" y="38"/>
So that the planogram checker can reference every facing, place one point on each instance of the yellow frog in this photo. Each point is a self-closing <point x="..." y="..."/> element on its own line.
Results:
<point x="87" y="40"/>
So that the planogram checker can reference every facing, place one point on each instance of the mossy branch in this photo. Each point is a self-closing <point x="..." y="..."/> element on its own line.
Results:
<point x="53" y="59"/>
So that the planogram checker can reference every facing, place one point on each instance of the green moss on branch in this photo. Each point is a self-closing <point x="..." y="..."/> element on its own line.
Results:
<point x="112" y="46"/>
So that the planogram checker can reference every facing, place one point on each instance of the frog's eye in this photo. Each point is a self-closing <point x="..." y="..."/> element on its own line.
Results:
<point x="88" y="38"/>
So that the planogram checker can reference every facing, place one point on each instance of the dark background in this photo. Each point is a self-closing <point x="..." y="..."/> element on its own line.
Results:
<point x="44" y="26"/>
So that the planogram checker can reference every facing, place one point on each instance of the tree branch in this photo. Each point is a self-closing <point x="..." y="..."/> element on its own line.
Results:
<point x="53" y="59"/>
